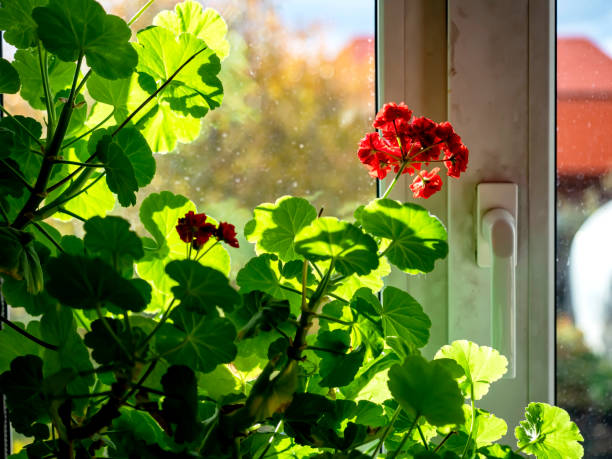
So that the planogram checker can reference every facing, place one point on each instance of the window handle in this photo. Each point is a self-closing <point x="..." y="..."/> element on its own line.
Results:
<point x="497" y="250"/>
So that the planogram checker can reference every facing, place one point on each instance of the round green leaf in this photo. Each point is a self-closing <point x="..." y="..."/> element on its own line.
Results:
<point x="60" y="76"/>
<point x="274" y="226"/>
<point x="261" y="274"/>
<point x="16" y="20"/>
<point x="120" y="176"/>
<point x="69" y="28"/>
<point x="206" y="24"/>
<point x="19" y="144"/>
<point x="190" y="95"/>
<point x="427" y="389"/>
<point x="547" y="431"/>
<point x="201" y="288"/>
<point x="328" y="238"/>
<point x="482" y="365"/>
<point x="9" y="78"/>
<point x="337" y="368"/>
<point x="198" y="341"/>
<point x="111" y="239"/>
<point x="416" y="239"/>
<point x="86" y="283"/>
<point x="14" y="344"/>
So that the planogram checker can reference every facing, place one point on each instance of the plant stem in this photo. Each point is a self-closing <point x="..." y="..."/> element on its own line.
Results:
<point x="139" y="12"/>
<point x="27" y="131"/>
<point x="26" y="214"/>
<point x="66" y="145"/>
<point x="448" y="435"/>
<point x="17" y="175"/>
<point x="46" y="234"/>
<point x="472" y="421"/>
<point x="157" y="91"/>
<point x="141" y="381"/>
<point x="44" y="75"/>
<point x="333" y="319"/>
<point x="422" y="437"/>
<point x="51" y="208"/>
<point x="22" y="332"/>
<point x="77" y="163"/>
<point x="82" y="83"/>
<point x="397" y="176"/>
<point x="324" y="349"/>
<point x="4" y="215"/>
<point x="263" y="453"/>
<point x="163" y="319"/>
<point x="406" y="437"/>
<point x="386" y="432"/>
<point x="72" y="214"/>
<point x="198" y="257"/>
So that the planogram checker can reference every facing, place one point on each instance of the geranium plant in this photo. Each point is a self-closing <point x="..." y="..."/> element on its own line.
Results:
<point x="141" y="346"/>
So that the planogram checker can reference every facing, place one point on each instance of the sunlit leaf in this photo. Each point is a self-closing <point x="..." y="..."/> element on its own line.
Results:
<point x="328" y="238"/>
<point x="120" y="175"/>
<point x="206" y="24"/>
<point x="16" y="20"/>
<point x="9" y="78"/>
<point x="191" y="94"/>
<point x="198" y="341"/>
<point x="60" y="76"/>
<point x="274" y="226"/>
<point x="427" y="389"/>
<point x="20" y="144"/>
<point x="482" y="365"/>
<point x="415" y="238"/>
<point x="548" y="432"/>
<point x="373" y="280"/>
<point x="69" y="28"/>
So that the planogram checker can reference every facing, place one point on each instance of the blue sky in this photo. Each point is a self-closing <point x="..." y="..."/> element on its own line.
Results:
<point x="586" y="18"/>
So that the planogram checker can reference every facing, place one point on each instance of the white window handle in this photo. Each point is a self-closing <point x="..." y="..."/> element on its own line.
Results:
<point x="497" y="249"/>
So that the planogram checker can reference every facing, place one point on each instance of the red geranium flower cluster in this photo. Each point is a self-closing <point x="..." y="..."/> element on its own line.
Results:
<point x="407" y="143"/>
<point x="193" y="229"/>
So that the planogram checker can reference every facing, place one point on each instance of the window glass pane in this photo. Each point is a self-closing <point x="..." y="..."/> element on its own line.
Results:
<point x="584" y="220"/>
<point x="299" y="88"/>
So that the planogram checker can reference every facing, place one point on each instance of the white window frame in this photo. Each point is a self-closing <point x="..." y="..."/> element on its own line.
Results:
<point x="489" y="68"/>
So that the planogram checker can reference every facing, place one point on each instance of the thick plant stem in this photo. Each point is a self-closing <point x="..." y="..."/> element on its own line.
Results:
<point x="39" y="192"/>
<point x="22" y="332"/>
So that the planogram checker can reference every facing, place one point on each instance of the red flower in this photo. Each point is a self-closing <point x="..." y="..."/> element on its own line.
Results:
<point x="227" y="233"/>
<point x="189" y="225"/>
<point x="377" y="155"/>
<point x="456" y="161"/>
<point x="390" y="113"/>
<point x="204" y="234"/>
<point x="426" y="183"/>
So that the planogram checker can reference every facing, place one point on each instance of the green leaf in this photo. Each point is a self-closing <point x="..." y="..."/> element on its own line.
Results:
<point x="274" y="226"/>
<point x="547" y="431"/>
<point x="111" y="239"/>
<point x="60" y="76"/>
<point x="16" y="19"/>
<point x="120" y="175"/>
<point x="98" y="200"/>
<point x="415" y="238"/>
<point x="9" y="78"/>
<point x="328" y="238"/>
<point x="498" y="452"/>
<point x="427" y="389"/>
<point x="482" y="365"/>
<point x="22" y="387"/>
<point x="19" y="258"/>
<point x="488" y="427"/>
<point x="58" y="327"/>
<point x="140" y="424"/>
<point x="69" y="28"/>
<point x="123" y="94"/>
<point x="14" y="344"/>
<point x="105" y="348"/>
<point x="373" y="280"/>
<point x="20" y="144"/>
<point x="134" y="147"/>
<point x="200" y="342"/>
<point x="180" y="407"/>
<point x="337" y="369"/>
<point x="201" y="288"/>
<point x="86" y="283"/>
<point x="260" y="311"/>
<point x="192" y="93"/>
<point x="190" y="17"/>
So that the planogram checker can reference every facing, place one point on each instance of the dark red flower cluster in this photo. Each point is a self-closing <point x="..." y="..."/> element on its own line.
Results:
<point x="407" y="143"/>
<point x="193" y="229"/>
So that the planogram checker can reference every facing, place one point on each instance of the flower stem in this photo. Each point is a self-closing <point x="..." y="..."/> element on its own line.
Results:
<point x="448" y="435"/>
<point x="139" y="12"/>
<point x="397" y="176"/>
<point x="422" y="437"/>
